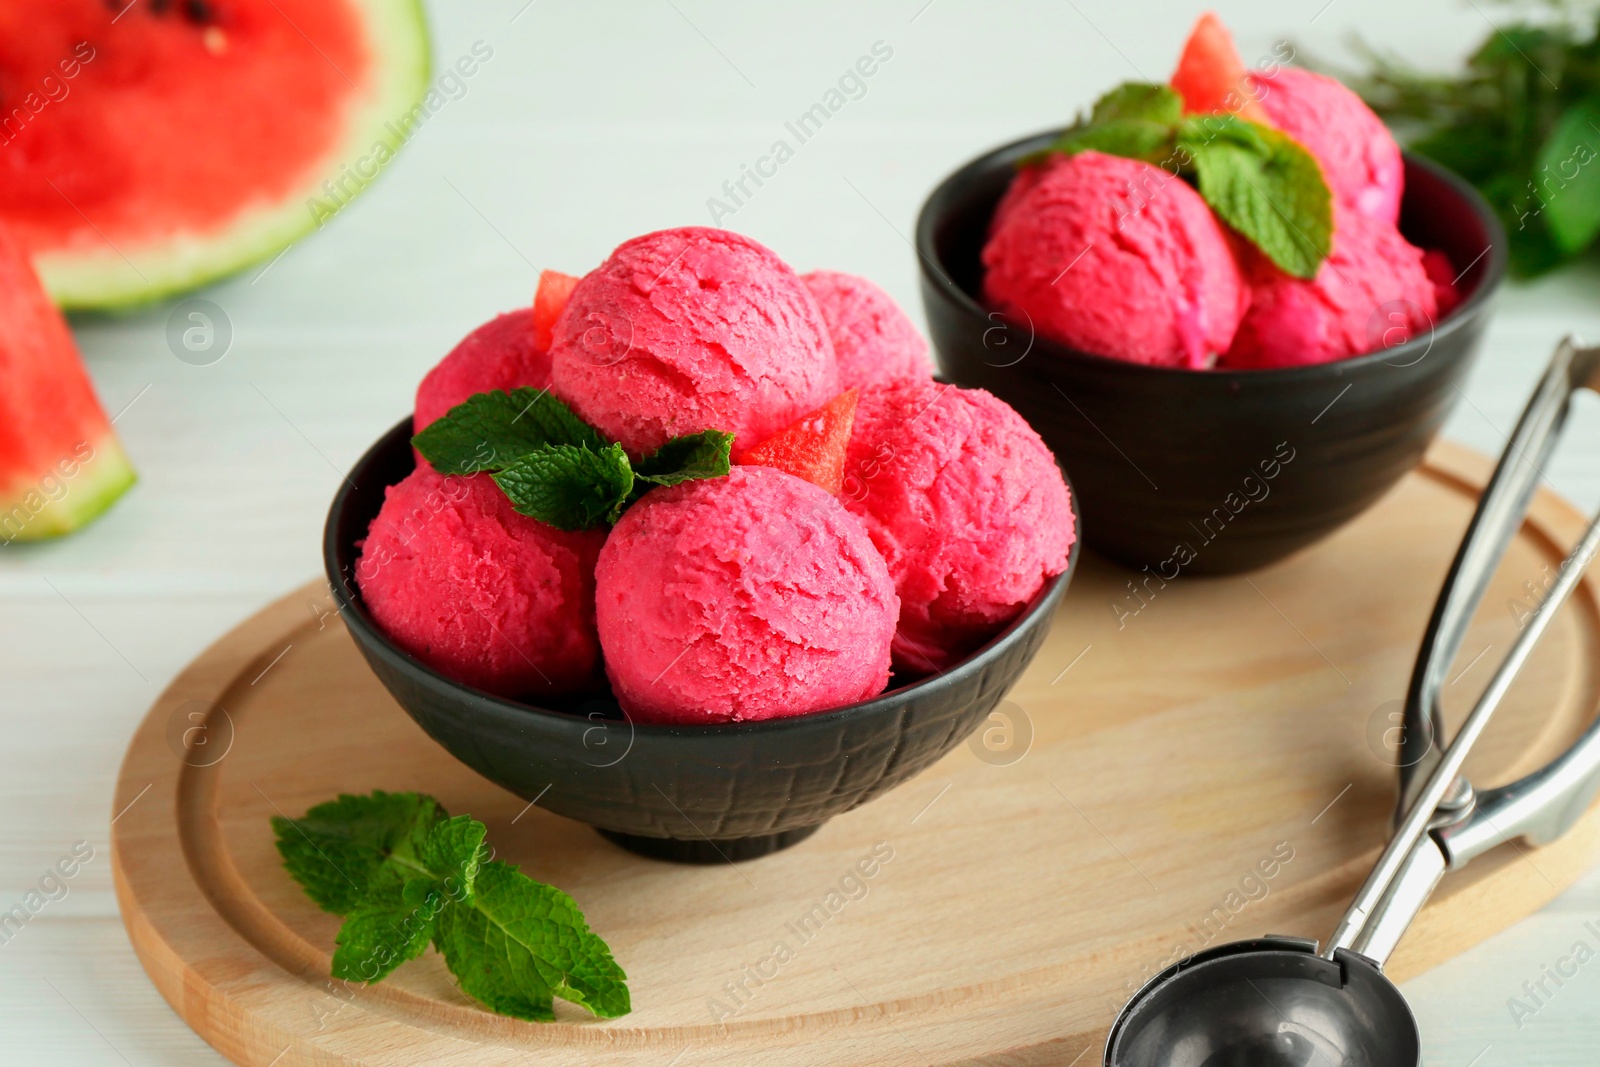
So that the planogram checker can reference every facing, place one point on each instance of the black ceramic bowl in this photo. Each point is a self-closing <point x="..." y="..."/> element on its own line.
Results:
<point x="1171" y="464"/>
<point x="689" y="793"/>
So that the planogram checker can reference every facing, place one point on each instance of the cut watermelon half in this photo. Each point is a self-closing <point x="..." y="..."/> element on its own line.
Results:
<point x="60" y="463"/>
<point x="150" y="146"/>
<point x="555" y="289"/>
<point x="1211" y="77"/>
<point x="813" y="447"/>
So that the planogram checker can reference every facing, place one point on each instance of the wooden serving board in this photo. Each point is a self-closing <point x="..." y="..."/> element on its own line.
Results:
<point x="1210" y="769"/>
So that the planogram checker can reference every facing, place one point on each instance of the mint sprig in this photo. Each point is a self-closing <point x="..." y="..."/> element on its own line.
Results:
<point x="554" y="466"/>
<point x="682" y="459"/>
<point x="404" y="874"/>
<point x="1264" y="184"/>
<point x="488" y="430"/>
<point x="1257" y="179"/>
<point x="569" y="486"/>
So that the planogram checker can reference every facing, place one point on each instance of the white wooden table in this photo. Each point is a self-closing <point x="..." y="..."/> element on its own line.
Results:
<point x="591" y="123"/>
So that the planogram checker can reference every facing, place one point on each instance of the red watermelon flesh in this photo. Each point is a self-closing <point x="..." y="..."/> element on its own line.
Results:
<point x="813" y="447"/>
<point x="149" y="147"/>
<point x="555" y="289"/>
<point x="1211" y="77"/>
<point x="60" y="462"/>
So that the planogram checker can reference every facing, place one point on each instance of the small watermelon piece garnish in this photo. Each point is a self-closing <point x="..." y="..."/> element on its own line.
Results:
<point x="1211" y="77"/>
<point x="60" y="462"/>
<point x="555" y="289"/>
<point x="812" y="448"/>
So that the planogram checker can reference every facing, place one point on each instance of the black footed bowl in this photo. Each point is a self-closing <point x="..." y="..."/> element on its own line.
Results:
<point x="1215" y="472"/>
<point x="696" y="794"/>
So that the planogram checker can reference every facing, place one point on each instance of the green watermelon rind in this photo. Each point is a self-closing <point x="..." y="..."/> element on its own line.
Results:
<point x="104" y="281"/>
<point x="97" y="485"/>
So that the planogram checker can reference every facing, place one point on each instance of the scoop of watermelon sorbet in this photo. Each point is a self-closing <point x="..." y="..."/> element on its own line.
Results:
<point x="491" y="598"/>
<point x="1359" y="156"/>
<point x="687" y="330"/>
<point x="500" y="354"/>
<point x="1117" y="258"/>
<point x="967" y="506"/>
<point x="755" y="596"/>
<point x="1373" y="291"/>
<point x="873" y="339"/>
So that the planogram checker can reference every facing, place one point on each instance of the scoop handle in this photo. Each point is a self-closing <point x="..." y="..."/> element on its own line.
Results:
<point x="1440" y="802"/>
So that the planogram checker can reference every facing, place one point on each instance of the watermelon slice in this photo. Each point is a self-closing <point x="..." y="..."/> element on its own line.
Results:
<point x="60" y="463"/>
<point x="1211" y="77"/>
<point x="555" y="289"/>
<point x="150" y="146"/>
<point x="813" y="447"/>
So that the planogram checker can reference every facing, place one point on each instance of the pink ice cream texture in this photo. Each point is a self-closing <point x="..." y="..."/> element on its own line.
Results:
<point x="687" y="330"/>
<point x="755" y="596"/>
<point x="1372" y="292"/>
<point x="967" y="506"/>
<point x="500" y="354"/>
<point x="1360" y="159"/>
<point x="872" y="337"/>
<point x="482" y="594"/>
<point x="1116" y="258"/>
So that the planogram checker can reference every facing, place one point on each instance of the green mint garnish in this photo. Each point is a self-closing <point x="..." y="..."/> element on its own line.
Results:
<point x="489" y="430"/>
<point x="1265" y="185"/>
<point x="403" y="873"/>
<point x="522" y="943"/>
<point x="568" y="486"/>
<point x="698" y="455"/>
<point x="1142" y="101"/>
<point x="554" y="466"/>
<point x="1257" y="179"/>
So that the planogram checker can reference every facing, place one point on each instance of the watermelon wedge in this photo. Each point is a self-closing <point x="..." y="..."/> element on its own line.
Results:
<point x="60" y="463"/>
<point x="1211" y="77"/>
<point x="555" y="289"/>
<point x="812" y="447"/>
<point x="150" y="146"/>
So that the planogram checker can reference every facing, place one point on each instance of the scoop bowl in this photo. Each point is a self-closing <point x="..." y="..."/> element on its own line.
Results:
<point x="1216" y="471"/>
<point x="698" y="794"/>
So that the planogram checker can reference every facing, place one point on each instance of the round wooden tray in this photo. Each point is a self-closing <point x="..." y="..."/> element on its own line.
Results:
<point x="1182" y="765"/>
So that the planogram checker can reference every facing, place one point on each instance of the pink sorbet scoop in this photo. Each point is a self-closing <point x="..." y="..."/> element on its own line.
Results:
<point x="1116" y="258"/>
<point x="755" y="596"/>
<point x="688" y="330"/>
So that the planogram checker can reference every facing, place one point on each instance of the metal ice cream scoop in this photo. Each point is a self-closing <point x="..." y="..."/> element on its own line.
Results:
<point x="1278" y="1002"/>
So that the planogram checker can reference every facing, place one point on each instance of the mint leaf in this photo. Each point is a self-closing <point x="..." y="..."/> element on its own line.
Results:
<point x="452" y="852"/>
<point x="1132" y="138"/>
<point x="398" y="915"/>
<point x="698" y="455"/>
<point x="1198" y="131"/>
<point x="1275" y="196"/>
<point x="491" y="431"/>
<point x="391" y="925"/>
<point x="522" y="943"/>
<point x="568" y="486"/>
<point x="1135" y="120"/>
<point x="1146" y="101"/>
<point x="337" y="850"/>
<point x="1260" y="181"/>
<point x="513" y="943"/>
<point x="1569" y="179"/>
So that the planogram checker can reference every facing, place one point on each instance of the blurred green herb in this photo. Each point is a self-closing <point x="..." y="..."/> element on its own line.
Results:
<point x="1521" y="122"/>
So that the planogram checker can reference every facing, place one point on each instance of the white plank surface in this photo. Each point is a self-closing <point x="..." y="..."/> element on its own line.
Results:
<point x="592" y="122"/>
